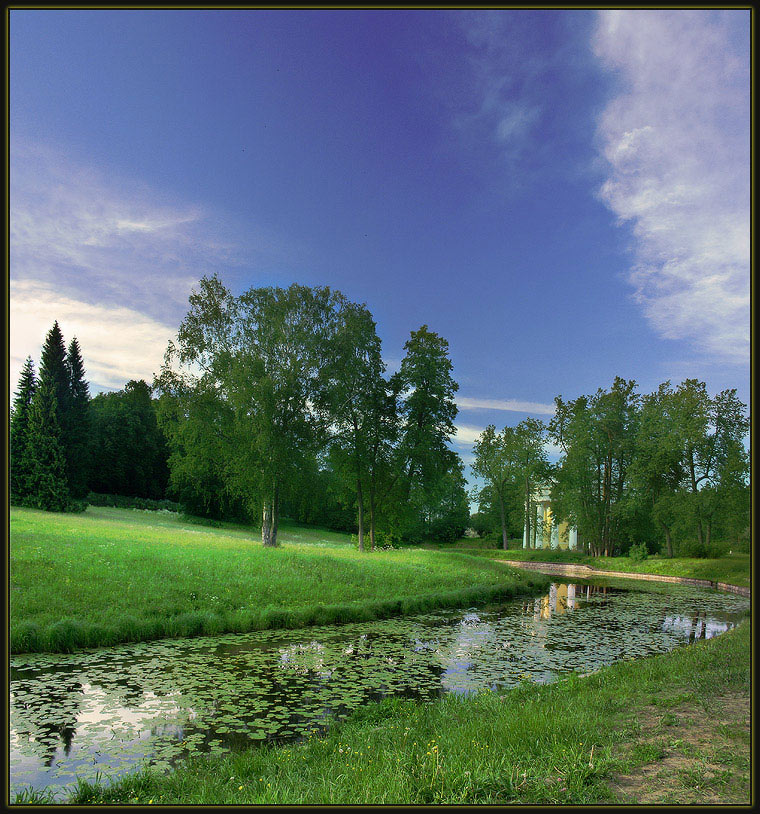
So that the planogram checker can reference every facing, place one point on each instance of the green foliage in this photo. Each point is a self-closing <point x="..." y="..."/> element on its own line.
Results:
<point x="47" y="485"/>
<point x="357" y="399"/>
<point x="125" y="502"/>
<point x="428" y="500"/>
<point x="669" y="468"/>
<point x="128" y="451"/>
<point x="596" y="434"/>
<point x="49" y="430"/>
<point x="77" y="424"/>
<point x="481" y="523"/>
<point x="638" y="552"/>
<point x="513" y="463"/>
<point x="54" y="369"/>
<point x="20" y="464"/>
<point x="246" y="423"/>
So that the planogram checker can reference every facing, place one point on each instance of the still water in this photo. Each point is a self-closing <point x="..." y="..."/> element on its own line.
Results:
<point x="106" y="712"/>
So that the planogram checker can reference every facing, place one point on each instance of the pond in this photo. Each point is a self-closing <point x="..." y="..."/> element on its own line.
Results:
<point x="106" y="712"/>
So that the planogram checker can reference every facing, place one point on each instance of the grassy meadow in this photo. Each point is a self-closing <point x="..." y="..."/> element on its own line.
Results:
<point x="120" y="575"/>
<point x="671" y="729"/>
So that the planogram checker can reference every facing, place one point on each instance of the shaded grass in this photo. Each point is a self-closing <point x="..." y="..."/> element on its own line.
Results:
<point x="537" y="744"/>
<point x="733" y="568"/>
<point x="121" y="575"/>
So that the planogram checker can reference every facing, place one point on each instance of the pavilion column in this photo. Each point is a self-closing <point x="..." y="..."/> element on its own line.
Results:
<point x="555" y="536"/>
<point x="573" y="544"/>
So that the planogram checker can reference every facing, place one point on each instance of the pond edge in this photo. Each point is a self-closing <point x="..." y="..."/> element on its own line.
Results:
<point x="587" y="571"/>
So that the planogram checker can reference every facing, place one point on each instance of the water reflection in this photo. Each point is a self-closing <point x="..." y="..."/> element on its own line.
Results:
<point x="109" y="710"/>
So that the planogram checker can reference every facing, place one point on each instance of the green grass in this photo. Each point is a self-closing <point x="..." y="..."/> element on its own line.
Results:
<point x="537" y="744"/>
<point x="120" y="575"/>
<point x="733" y="568"/>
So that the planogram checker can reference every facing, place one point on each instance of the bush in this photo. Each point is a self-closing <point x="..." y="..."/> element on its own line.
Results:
<point x="194" y="520"/>
<point x="691" y="548"/>
<point x="387" y="539"/>
<point x="127" y="502"/>
<point x="638" y="552"/>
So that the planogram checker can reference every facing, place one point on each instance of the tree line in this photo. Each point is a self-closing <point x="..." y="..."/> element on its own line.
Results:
<point x="262" y="391"/>
<point x="277" y="403"/>
<point x="49" y="429"/>
<point x="668" y="469"/>
<point x="65" y="444"/>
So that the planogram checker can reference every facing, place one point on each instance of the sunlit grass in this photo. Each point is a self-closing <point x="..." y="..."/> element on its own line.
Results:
<point x="116" y="575"/>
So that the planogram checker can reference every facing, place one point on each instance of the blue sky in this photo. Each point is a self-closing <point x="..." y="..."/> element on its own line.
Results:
<point x="562" y="194"/>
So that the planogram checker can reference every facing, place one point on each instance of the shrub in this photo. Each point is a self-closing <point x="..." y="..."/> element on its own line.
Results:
<point x="387" y="539"/>
<point x="194" y="520"/>
<point x="638" y="552"/>
<point x="129" y="502"/>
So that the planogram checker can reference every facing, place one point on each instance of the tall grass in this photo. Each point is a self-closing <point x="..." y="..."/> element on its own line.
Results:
<point x="118" y="575"/>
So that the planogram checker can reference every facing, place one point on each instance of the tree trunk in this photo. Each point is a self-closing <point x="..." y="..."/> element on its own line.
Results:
<point x="270" y="516"/>
<point x="528" y="524"/>
<point x="700" y="533"/>
<point x="360" y="508"/>
<point x="372" y="516"/>
<point x="266" y="523"/>
<point x="503" y="523"/>
<point x="275" y="511"/>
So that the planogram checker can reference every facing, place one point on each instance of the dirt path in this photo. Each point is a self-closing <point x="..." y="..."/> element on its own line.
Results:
<point x="689" y="756"/>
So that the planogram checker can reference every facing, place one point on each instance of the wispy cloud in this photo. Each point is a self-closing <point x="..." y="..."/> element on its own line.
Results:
<point x="676" y="139"/>
<point x="466" y="435"/>
<point x="504" y="76"/>
<point x="112" y="258"/>
<point x="118" y="343"/>
<point x="106" y="240"/>
<point x="510" y="405"/>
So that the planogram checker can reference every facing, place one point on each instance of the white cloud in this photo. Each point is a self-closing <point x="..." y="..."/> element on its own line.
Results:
<point x="111" y="259"/>
<point x="505" y="404"/>
<point x="676" y="139"/>
<point x="117" y="343"/>
<point x="104" y="240"/>
<point x="466" y="435"/>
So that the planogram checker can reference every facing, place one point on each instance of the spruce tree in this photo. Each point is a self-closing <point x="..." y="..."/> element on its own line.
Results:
<point x="53" y="367"/>
<point x="78" y="421"/>
<point x="22" y="404"/>
<point x="48" y="486"/>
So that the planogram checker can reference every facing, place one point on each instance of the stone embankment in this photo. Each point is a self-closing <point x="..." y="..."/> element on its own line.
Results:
<point x="585" y="571"/>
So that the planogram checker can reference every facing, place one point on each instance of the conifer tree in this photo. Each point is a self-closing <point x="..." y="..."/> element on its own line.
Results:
<point x="48" y="486"/>
<point x="53" y="367"/>
<point x="78" y="424"/>
<point x="22" y="404"/>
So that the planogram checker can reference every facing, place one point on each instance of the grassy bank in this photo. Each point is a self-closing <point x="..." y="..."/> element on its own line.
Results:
<point x="733" y="568"/>
<point x="668" y="729"/>
<point x="121" y="575"/>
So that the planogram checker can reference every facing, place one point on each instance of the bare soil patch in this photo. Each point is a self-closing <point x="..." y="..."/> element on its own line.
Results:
<point x="703" y="756"/>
